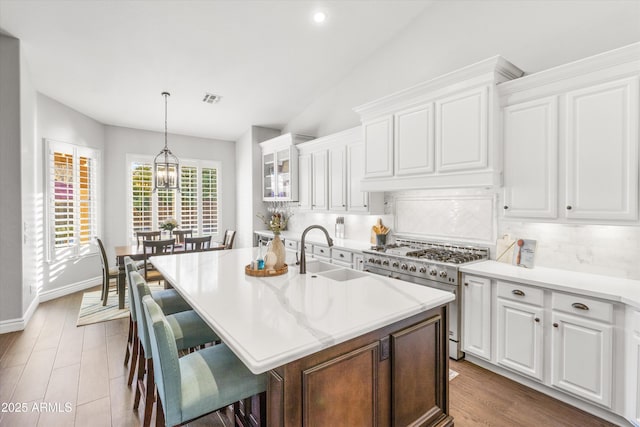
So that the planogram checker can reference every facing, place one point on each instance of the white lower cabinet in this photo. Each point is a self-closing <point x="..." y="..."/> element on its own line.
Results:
<point x="632" y="386"/>
<point x="582" y="355"/>
<point x="476" y="300"/>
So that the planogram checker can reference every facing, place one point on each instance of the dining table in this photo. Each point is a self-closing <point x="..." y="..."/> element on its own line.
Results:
<point x="136" y="252"/>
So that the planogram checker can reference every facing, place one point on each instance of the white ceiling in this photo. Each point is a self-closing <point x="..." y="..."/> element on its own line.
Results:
<point x="111" y="59"/>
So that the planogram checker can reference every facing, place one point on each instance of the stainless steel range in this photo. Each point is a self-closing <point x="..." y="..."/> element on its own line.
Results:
<point x="433" y="264"/>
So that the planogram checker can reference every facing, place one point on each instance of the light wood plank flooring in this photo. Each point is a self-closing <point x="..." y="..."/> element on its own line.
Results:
<point x="55" y="362"/>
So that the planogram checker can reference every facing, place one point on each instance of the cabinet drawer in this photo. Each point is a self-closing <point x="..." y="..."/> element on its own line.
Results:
<point x="520" y="293"/>
<point x="341" y="255"/>
<point x="582" y="306"/>
<point x="291" y="244"/>
<point x="322" y="251"/>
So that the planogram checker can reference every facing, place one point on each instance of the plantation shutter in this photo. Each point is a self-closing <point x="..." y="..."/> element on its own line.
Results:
<point x="72" y="202"/>
<point x="141" y="198"/>
<point x="189" y="198"/>
<point x="209" y="200"/>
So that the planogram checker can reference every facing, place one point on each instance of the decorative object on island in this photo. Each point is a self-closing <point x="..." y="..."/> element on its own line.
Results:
<point x="166" y="165"/>
<point x="265" y="273"/>
<point x="524" y="253"/>
<point x="277" y="222"/>
<point x="340" y="227"/>
<point x="169" y="224"/>
<point x="379" y="233"/>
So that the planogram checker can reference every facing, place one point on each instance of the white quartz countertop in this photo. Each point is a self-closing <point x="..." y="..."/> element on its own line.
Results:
<point x="271" y="321"/>
<point x="317" y="237"/>
<point x="626" y="291"/>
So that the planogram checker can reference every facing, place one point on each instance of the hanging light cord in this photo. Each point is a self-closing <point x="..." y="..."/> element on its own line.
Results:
<point x="165" y="94"/>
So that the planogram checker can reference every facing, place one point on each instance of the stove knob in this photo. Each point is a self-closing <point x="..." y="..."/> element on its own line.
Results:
<point x="404" y="266"/>
<point x="385" y="262"/>
<point x="371" y="260"/>
<point x="412" y="268"/>
<point x="395" y="264"/>
<point x="433" y="272"/>
<point x="378" y="261"/>
<point x="423" y="270"/>
<point x="443" y="274"/>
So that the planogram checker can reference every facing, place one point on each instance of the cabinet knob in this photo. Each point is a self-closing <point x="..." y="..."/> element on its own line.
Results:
<point x="341" y="255"/>
<point x="343" y="205"/>
<point x="537" y="319"/>
<point x="466" y="284"/>
<point x="555" y="325"/>
<point x="365" y="206"/>
<point x="505" y="207"/>
<point x="569" y="207"/>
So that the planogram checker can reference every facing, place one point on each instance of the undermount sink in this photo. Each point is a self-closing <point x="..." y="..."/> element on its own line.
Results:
<point x="342" y="274"/>
<point x="314" y="266"/>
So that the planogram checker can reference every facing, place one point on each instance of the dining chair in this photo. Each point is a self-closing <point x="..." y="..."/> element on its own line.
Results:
<point x="200" y="382"/>
<point x="169" y="300"/>
<point x="181" y="234"/>
<point x="107" y="273"/>
<point x="141" y="236"/>
<point x="155" y="248"/>
<point x="197" y="243"/>
<point x="188" y="331"/>
<point x="229" y="236"/>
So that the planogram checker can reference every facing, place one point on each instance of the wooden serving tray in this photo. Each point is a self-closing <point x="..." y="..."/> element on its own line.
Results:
<point x="264" y="273"/>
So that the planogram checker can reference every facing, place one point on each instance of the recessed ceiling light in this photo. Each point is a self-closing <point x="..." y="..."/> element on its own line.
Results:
<point x="319" y="17"/>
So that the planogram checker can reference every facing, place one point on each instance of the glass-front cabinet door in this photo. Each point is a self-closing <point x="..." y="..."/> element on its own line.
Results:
<point x="269" y="175"/>
<point x="280" y="168"/>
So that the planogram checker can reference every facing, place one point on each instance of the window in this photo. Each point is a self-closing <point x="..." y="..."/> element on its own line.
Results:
<point x="195" y="207"/>
<point x="72" y="202"/>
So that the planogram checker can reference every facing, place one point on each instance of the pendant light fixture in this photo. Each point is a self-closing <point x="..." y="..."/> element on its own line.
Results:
<point x="166" y="164"/>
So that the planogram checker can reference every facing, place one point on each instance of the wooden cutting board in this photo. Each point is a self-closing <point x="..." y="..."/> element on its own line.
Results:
<point x="504" y="249"/>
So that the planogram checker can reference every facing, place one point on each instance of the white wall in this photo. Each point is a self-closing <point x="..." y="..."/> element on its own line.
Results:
<point x="10" y="190"/>
<point x="58" y="122"/>
<point x="121" y="141"/>
<point x="532" y="34"/>
<point x="249" y="183"/>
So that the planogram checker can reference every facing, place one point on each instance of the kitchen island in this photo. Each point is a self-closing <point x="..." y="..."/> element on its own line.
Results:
<point x="341" y="347"/>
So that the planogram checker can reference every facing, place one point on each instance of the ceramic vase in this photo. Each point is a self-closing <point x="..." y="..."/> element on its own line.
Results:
<point x="277" y="247"/>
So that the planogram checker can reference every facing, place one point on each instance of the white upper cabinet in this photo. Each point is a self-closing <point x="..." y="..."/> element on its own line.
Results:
<point x="438" y="134"/>
<point x="337" y="178"/>
<point x="414" y="150"/>
<point x="602" y="151"/>
<point x="331" y="171"/>
<point x="571" y="140"/>
<point x="379" y="148"/>
<point x="319" y="199"/>
<point x="531" y="159"/>
<point x="461" y="130"/>
<point x="280" y="167"/>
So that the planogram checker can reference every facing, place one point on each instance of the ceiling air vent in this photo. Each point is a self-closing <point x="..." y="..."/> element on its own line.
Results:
<point x="210" y="98"/>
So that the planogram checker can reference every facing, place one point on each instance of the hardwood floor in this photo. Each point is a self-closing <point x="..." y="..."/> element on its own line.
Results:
<point x="54" y="362"/>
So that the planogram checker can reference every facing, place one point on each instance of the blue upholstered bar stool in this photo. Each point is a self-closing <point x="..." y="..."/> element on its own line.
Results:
<point x="198" y="383"/>
<point x="188" y="331"/>
<point x="170" y="301"/>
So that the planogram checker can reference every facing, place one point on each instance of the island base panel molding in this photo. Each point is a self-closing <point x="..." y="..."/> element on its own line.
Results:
<point x="385" y="365"/>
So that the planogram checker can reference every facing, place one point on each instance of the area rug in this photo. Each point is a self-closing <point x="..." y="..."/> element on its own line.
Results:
<point x="92" y="310"/>
<point x="452" y="374"/>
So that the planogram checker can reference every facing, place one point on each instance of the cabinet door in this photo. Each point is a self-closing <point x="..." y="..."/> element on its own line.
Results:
<point x="520" y="337"/>
<point x="337" y="179"/>
<point x="304" y="181"/>
<point x="602" y="151"/>
<point x="319" y="181"/>
<point x="582" y="354"/>
<point x="531" y="159"/>
<point x="476" y="300"/>
<point x="461" y="131"/>
<point x="268" y="176"/>
<point x="357" y="200"/>
<point x="414" y="141"/>
<point x="378" y="138"/>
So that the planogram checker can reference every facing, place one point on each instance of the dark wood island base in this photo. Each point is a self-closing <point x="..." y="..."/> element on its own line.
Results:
<point x="396" y="376"/>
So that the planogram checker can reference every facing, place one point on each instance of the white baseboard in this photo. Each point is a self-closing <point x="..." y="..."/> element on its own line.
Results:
<point x="69" y="289"/>
<point x="19" y="324"/>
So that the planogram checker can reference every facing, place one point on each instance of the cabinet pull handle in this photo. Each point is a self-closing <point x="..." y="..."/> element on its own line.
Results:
<point x="537" y="319"/>
<point x="579" y="306"/>
<point x="569" y="207"/>
<point x="517" y="292"/>
<point x="555" y="325"/>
